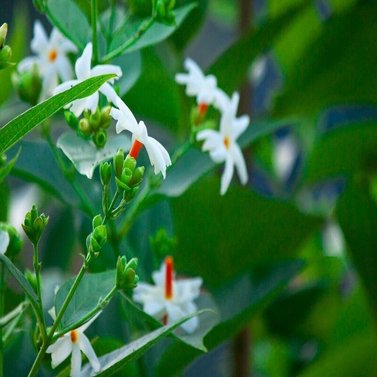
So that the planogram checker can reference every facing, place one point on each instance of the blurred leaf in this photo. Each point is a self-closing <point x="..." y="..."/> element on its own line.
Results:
<point x="70" y="20"/>
<point x="17" y="128"/>
<point x="85" y="299"/>
<point x="131" y="67"/>
<point x="238" y="301"/>
<point x="121" y="357"/>
<point x="357" y="215"/>
<point x="211" y="229"/>
<point x="5" y="170"/>
<point x="84" y="154"/>
<point x="243" y="52"/>
<point x="59" y="240"/>
<point x="126" y="37"/>
<point x="332" y="156"/>
<point x="162" y="104"/>
<point x="332" y="67"/>
<point x="4" y="202"/>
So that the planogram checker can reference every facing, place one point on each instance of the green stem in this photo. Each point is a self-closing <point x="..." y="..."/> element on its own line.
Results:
<point x="37" y="269"/>
<point x="131" y="41"/>
<point x="111" y="206"/>
<point x="94" y="30"/>
<point x="111" y="25"/>
<point x="2" y="291"/>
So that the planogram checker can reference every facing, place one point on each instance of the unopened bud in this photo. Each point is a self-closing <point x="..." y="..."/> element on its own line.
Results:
<point x="28" y="85"/>
<point x="5" y="54"/>
<point x="118" y="163"/>
<point x="3" y="34"/>
<point x="95" y="120"/>
<point x="15" y="240"/>
<point x="31" y="278"/>
<point x="126" y="277"/>
<point x="98" y="238"/>
<point x="84" y="127"/>
<point x="105" y="117"/>
<point x="129" y="163"/>
<point x="97" y="221"/>
<point x="71" y="119"/>
<point x="138" y="175"/>
<point x="105" y="173"/>
<point x="34" y="224"/>
<point x="100" y="138"/>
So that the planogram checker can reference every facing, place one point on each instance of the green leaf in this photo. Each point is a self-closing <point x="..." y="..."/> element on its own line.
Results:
<point x="18" y="275"/>
<point x="122" y="356"/>
<point x="131" y="66"/>
<point x="17" y="128"/>
<point x="332" y="156"/>
<point x="85" y="156"/>
<point x="229" y="237"/>
<point x="357" y="215"/>
<point x="238" y="301"/>
<point x="242" y="53"/>
<point x="5" y="170"/>
<point x="330" y="68"/>
<point x="194" y="164"/>
<point x="85" y="300"/>
<point x="127" y="38"/>
<point x="70" y="20"/>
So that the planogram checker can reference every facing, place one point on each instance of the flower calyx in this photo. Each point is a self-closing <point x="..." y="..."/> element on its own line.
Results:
<point x="34" y="224"/>
<point x="126" y="277"/>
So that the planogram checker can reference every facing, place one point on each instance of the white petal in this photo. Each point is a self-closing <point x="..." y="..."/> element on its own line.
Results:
<point x="83" y="63"/>
<point x="76" y="361"/>
<point x="188" y="289"/>
<point x="27" y="64"/>
<point x="66" y="46"/>
<point x="240" y="125"/>
<point x="55" y="37"/>
<point x="182" y="78"/>
<point x="78" y="106"/>
<point x="60" y="350"/>
<point x="193" y="68"/>
<point x="83" y="327"/>
<point x="227" y="175"/>
<point x="105" y="69"/>
<point x="155" y="308"/>
<point x="219" y="155"/>
<point x="191" y="325"/>
<point x="88" y="350"/>
<point x="64" y="68"/>
<point x="239" y="161"/>
<point x="39" y="43"/>
<point x="65" y="86"/>
<point x="174" y="312"/>
<point x="156" y="156"/>
<point x="126" y="111"/>
<point x="49" y="83"/>
<point x="52" y="310"/>
<point x="92" y="102"/>
<point x="109" y="92"/>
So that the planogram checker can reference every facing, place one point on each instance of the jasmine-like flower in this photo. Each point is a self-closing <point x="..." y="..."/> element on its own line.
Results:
<point x="169" y="300"/>
<point x="51" y="58"/>
<point x="204" y="88"/>
<point x="222" y="145"/>
<point x="73" y="343"/>
<point x="158" y="155"/>
<point x="83" y="72"/>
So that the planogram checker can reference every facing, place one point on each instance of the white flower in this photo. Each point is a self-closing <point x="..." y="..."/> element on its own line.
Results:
<point x="83" y="72"/>
<point x="158" y="155"/>
<point x="222" y="145"/>
<point x="4" y="241"/>
<point x="204" y="88"/>
<point x="73" y="343"/>
<point x="51" y="58"/>
<point x="169" y="300"/>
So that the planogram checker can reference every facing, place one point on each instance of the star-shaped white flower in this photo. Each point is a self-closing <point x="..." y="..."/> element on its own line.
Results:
<point x="83" y="72"/>
<point x="73" y="343"/>
<point x="51" y="58"/>
<point x="222" y="145"/>
<point x="204" y="88"/>
<point x="158" y="155"/>
<point x="170" y="300"/>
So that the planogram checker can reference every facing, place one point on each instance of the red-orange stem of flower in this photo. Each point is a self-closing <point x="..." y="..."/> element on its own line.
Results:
<point x="169" y="270"/>
<point x="135" y="149"/>
<point x="202" y="109"/>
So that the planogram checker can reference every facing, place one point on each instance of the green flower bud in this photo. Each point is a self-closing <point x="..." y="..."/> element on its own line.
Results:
<point x="97" y="221"/>
<point x="5" y="54"/>
<point x="34" y="224"/>
<point x="130" y="194"/>
<point x="105" y="117"/>
<point x="95" y="120"/>
<point x="100" y="138"/>
<point x="84" y="127"/>
<point x="122" y="182"/>
<point x="3" y="34"/>
<point x="71" y="119"/>
<point x="98" y="238"/>
<point x="105" y="173"/>
<point x="40" y="5"/>
<point x="138" y="175"/>
<point x="164" y="11"/>
<point x="118" y="163"/>
<point x="28" y="85"/>
<point x="15" y="240"/>
<point x="160" y="9"/>
<point x="129" y="163"/>
<point x="31" y="278"/>
<point x="126" y="277"/>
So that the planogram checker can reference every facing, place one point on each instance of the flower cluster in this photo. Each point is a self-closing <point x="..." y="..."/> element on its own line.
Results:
<point x="221" y="144"/>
